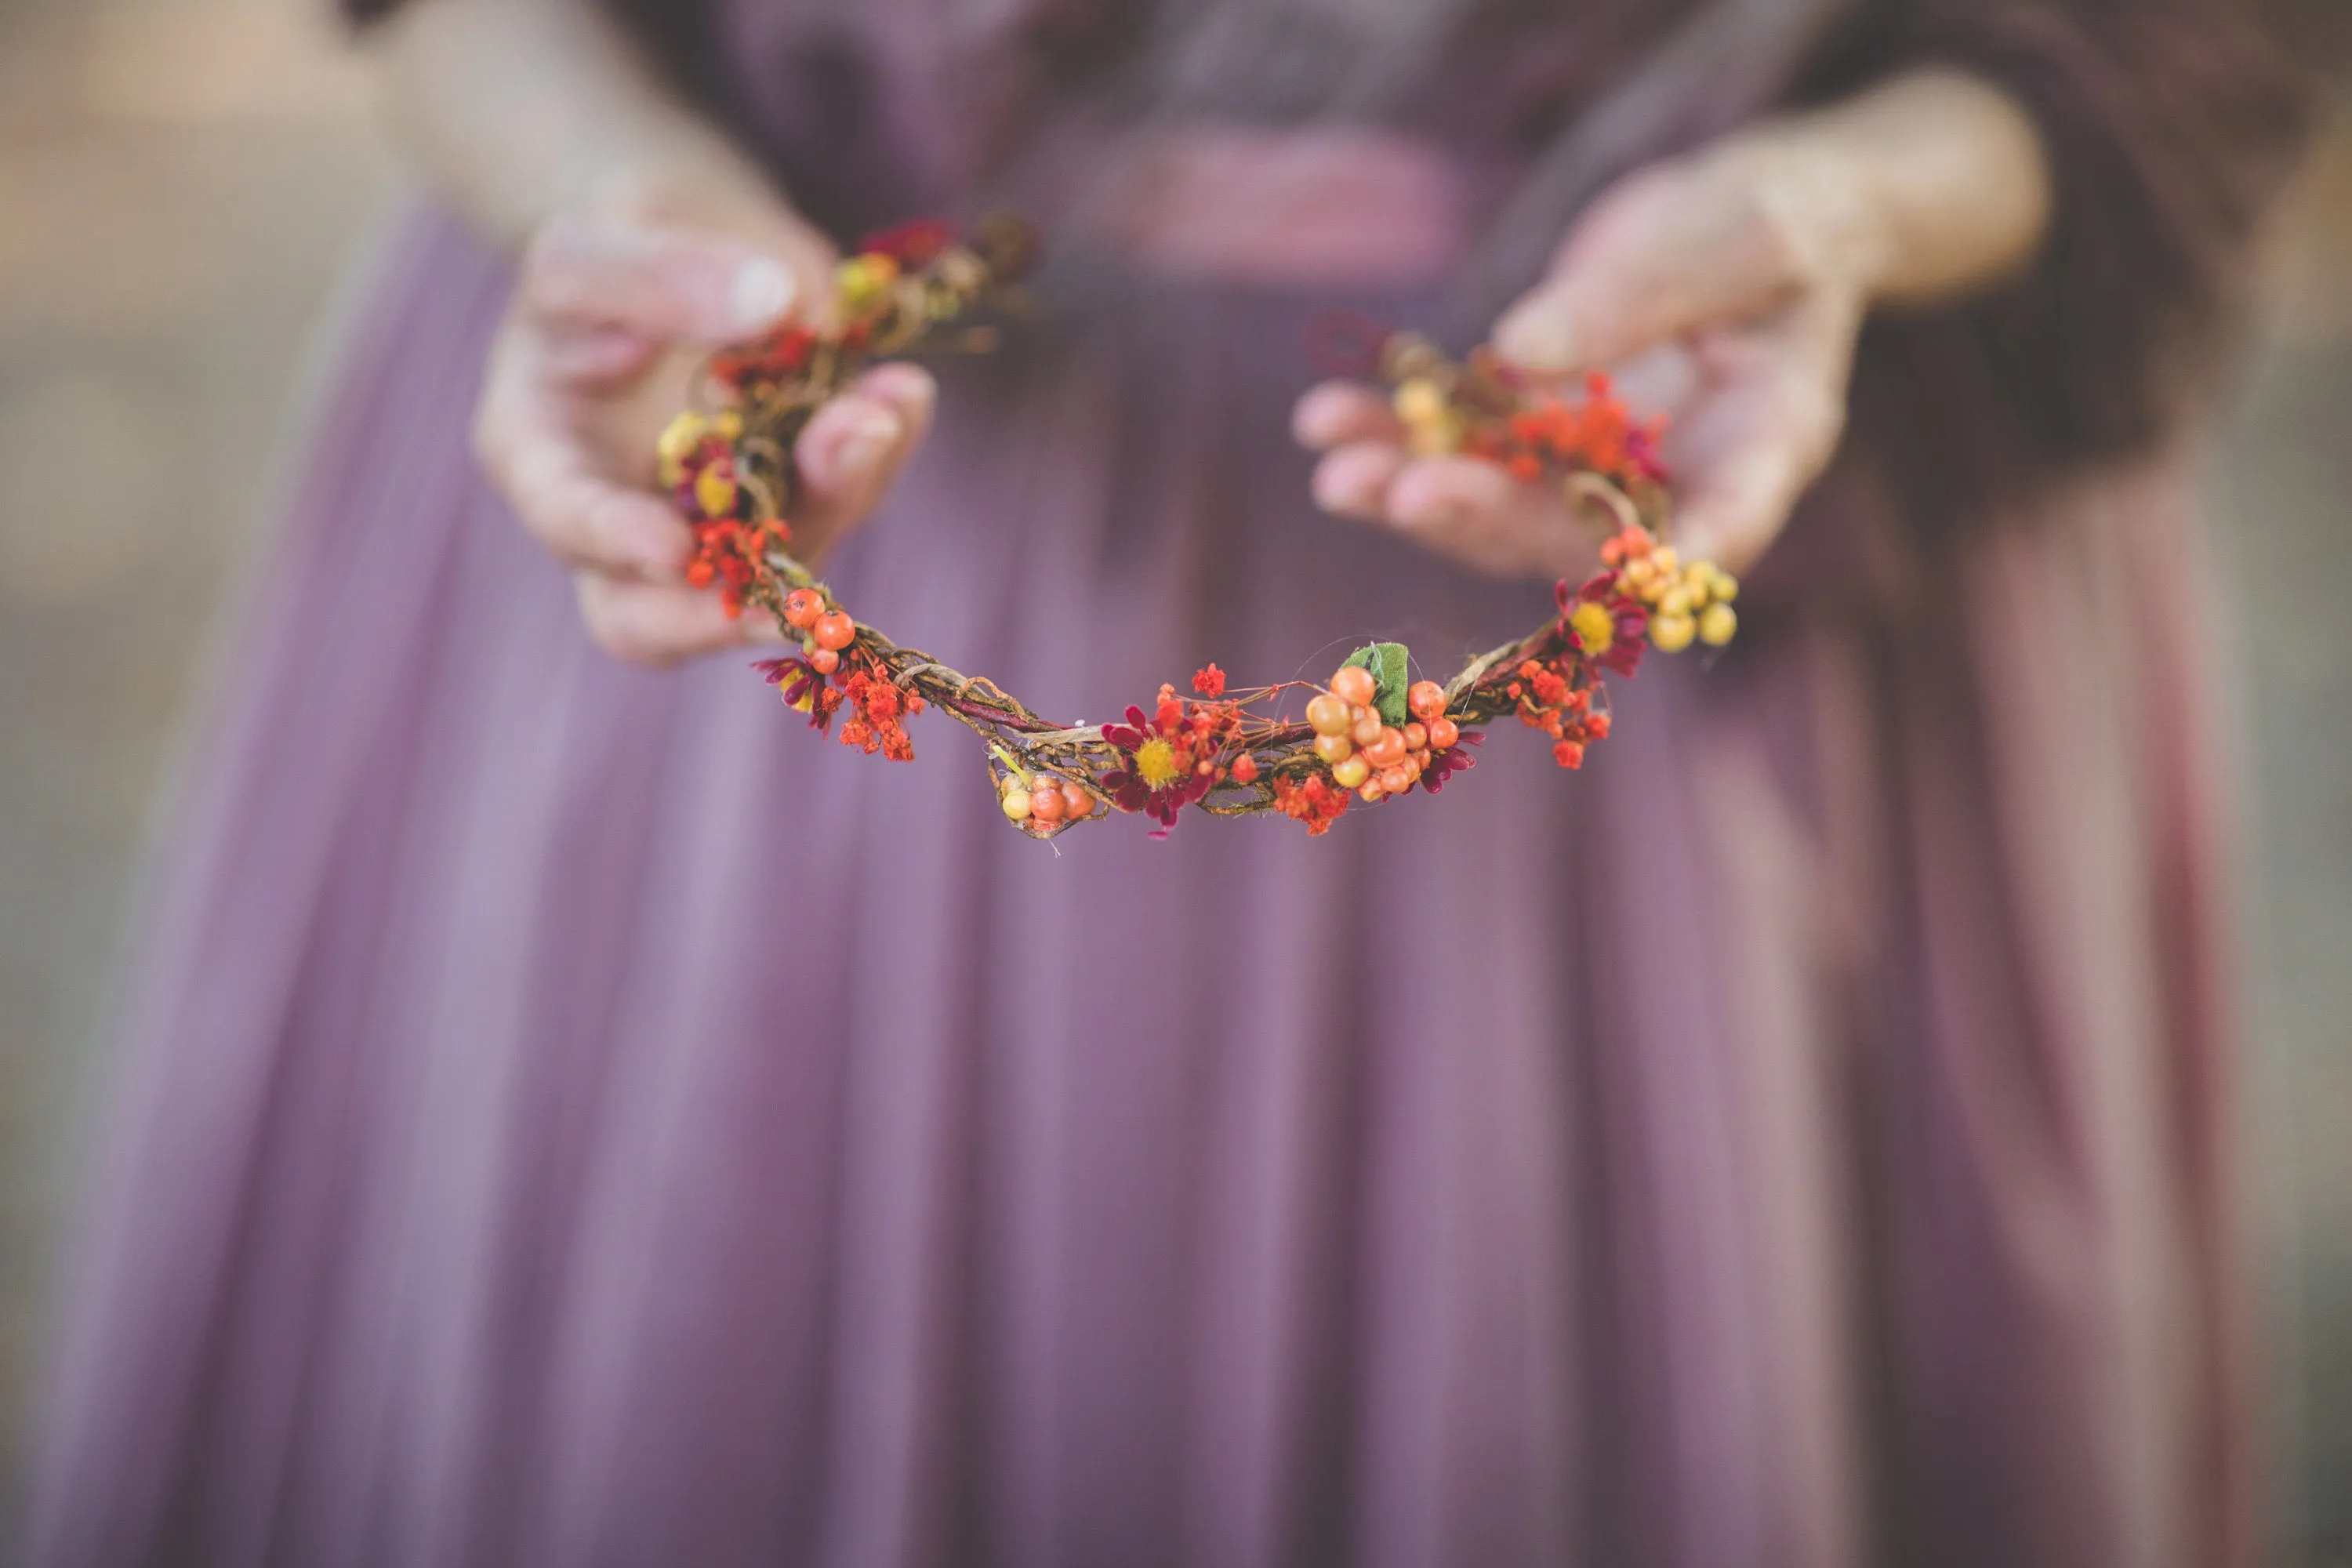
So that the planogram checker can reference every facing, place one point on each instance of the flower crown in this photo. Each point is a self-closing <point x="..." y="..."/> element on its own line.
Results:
<point x="1371" y="733"/>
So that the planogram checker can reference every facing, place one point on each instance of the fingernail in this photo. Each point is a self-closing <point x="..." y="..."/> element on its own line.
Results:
<point x="1536" y="338"/>
<point x="866" y="445"/>
<point x="760" y="292"/>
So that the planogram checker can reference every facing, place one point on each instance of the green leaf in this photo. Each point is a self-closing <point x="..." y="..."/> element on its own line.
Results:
<point x="1391" y="672"/>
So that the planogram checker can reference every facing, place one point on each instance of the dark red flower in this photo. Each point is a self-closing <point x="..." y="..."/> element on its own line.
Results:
<point x="1169" y="755"/>
<point x="803" y="688"/>
<point x="1454" y="759"/>
<point x="1609" y="632"/>
<point x="915" y="243"/>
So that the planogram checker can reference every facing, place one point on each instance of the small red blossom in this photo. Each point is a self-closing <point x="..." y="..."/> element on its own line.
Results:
<point x="881" y="709"/>
<point x="1208" y="681"/>
<point x="732" y="554"/>
<point x="1598" y="435"/>
<point x="1315" y="801"/>
<point x="765" y="363"/>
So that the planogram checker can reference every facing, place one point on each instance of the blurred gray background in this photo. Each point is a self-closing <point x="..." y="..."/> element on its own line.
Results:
<point x="186" y="190"/>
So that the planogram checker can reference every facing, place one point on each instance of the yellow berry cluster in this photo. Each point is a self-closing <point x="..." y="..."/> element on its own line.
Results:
<point x="1685" y="601"/>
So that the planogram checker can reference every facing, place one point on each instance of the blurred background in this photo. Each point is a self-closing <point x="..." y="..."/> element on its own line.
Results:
<point x="188" y="189"/>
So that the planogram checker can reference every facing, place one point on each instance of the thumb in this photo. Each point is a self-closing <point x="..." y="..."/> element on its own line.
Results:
<point x="1665" y="255"/>
<point x="662" y="284"/>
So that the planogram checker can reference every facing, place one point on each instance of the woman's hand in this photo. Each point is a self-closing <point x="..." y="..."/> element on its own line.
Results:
<point x="614" y="311"/>
<point x="1725" y="290"/>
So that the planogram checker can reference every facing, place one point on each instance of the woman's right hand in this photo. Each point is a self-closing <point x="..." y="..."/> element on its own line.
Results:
<point x="615" y="310"/>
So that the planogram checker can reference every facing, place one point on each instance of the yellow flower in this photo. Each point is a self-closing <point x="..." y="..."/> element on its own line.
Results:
<point x="677" y="441"/>
<point x="1155" y="763"/>
<point x="862" y="279"/>
<point x="714" y="491"/>
<point x="1595" y="628"/>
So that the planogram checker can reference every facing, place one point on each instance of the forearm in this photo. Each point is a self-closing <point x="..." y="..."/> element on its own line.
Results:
<point x="518" y="109"/>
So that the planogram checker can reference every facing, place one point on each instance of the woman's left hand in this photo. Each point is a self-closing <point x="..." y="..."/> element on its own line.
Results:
<point x="1724" y="291"/>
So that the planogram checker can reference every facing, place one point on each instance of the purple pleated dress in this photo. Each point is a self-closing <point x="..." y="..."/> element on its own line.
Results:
<point x="575" y="1115"/>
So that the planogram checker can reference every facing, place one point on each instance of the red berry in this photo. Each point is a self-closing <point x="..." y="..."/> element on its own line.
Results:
<point x="1416" y="736"/>
<point x="824" y="661"/>
<point x="1081" y="805"/>
<point x="834" y="630"/>
<point x="1427" y="698"/>
<point x="1387" y="750"/>
<point x="1395" y="780"/>
<point x="1047" y="804"/>
<point x="1245" y="769"/>
<point x="1443" y="733"/>
<point x="1327" y="715"/>
<point x="802" y="608"/>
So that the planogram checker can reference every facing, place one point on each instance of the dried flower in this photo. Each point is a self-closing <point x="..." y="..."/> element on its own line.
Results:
<point x="1314" y="800"/>
<point x="1604" y="622"/>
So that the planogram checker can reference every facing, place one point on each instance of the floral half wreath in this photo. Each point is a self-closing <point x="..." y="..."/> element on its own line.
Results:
<point x="1371" y="733"/>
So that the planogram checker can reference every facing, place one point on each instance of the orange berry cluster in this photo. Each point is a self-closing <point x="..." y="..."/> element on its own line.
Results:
<point x="1364" y="752"/>
<point x="1044" y="801"/>
<point x="825" y="629"/>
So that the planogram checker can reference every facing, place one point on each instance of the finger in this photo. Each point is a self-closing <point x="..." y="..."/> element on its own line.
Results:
<point x="1784" y="396"/>
<point x="1670" y="255"/>
<point x="595" y="357"/>
<point x="1338" y="412"/>
<point x="1452" y="492"/>
<point x="659" y="283"/>
<point x="855" y="446"/>
<point x="558" y="492"/>
<point x="1476" y="512"/>
<point x="1732" y="516"/>
<point x="1354" y="481"/>
<point x="658" y="624"/>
